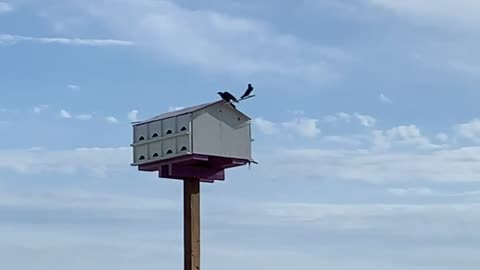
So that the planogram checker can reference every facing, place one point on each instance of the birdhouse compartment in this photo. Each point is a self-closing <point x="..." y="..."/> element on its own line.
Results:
<point x="183" y="123"/>
<point x="140" y="133"/>
<point x="168" y="126"/>
<point x="154" y="130"/>
<point x="169" y="147"/>
<point x="140" y="153"/>
<point x="155" y="150"/>
<point x="183" y="143"/>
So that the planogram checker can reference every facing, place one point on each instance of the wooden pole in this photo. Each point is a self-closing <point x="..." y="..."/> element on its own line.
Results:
<point x="191" y="223"/>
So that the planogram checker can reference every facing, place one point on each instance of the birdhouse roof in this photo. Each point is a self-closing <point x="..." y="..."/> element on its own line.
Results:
<point x="186" y="111"/>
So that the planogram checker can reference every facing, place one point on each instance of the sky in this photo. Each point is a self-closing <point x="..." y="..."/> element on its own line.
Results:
<point x="365" y="122"/>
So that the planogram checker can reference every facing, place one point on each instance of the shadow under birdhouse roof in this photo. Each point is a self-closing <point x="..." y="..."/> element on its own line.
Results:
<point x="188" y="110"/>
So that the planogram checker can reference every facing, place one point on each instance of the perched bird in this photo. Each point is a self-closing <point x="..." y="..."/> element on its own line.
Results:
<point x="227" y="96"/>
<point x="247" y="92"/>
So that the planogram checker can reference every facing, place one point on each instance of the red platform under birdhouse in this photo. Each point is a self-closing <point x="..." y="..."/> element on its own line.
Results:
<point x="203" y="167"/>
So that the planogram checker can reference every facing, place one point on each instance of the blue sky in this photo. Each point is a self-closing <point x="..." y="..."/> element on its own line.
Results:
<point x="366" y="128"/>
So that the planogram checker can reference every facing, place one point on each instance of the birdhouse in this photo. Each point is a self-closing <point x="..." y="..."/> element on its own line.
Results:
<point x="195" y="142"/>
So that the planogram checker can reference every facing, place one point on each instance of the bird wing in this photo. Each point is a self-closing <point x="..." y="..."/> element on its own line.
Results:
<point x="231" y="96"/>
<point x="224" y="96"/>
<point x="244" y="94"/>
<point x="247" y="92"/>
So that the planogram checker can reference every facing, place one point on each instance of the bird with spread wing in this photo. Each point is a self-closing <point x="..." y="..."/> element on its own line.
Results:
<point x="228" y="97"/>
<point x="247" y="92"/>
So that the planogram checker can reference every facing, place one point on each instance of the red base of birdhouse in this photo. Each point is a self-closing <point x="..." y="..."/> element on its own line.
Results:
<point x="193" y="166"/>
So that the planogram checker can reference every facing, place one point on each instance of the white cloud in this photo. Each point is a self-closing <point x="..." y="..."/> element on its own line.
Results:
<point x="111" y="119"/>
<point x="450" y="48"/>
<point x="175" y="108"/>
<point x="300" y="126"/>
<point x="366" y="120"/>
<point x="308" y="127"/>
<point x="363" y="119"/>
<point x="265" y="126"/>
<point x="462" y="13"/>
<point x="14" y="39"/>
<point x="223" y="43"/>
<point x="344" y="140"/>
<point x="303" y="126"/>
<point x="463" y="67"/>
<point x="469" y="130"/>
<point x="65" y="114"/>
<point x="386" y="219"/>
<point x="40" y="108"/>
<point x="401" y="136"/>
<point x="97" y="161"/>
<point x="410" y="191"/>
<point x="428" y="192"/>
<point x="449" y="165"/>
<point x="84" y="116"/>
<point x="384" y="99"/>
<point x="83" y="199"/>
<point x="73" y="87"/>
<point x="5" y="7"/>
<point x="404" y="132"/>
<point x="443" y="137"/>
<point x="133" y="115"/>
<point x="297" y="112"/>
<point x="341" y="116"/>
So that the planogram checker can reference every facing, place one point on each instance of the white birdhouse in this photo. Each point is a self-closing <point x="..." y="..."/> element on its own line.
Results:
<point x="214" y="129"/>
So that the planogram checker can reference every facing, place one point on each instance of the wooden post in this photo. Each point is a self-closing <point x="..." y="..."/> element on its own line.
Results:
<point x="191" y="223"/>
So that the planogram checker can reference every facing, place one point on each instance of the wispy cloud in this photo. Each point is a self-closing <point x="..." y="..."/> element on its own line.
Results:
<point x="133" y="115"/>
<point x="73" y="87"/>
<point x="223" y="43"/>
<point x="5" y="7"/>
<point x="402" y="136"/>
<point x="422" y="191"/>
<point x="449" y="165"/>
<point x="14" y="39"/>
<point x="65" y="114"/>
<point x="460" y="13"/>
<point x="174" y="108"/>
<point x="303" y="126"/>
<point x="443" y="137"/>
<point x="94" y="160"/>
<point x="363" y="119"/>
<point x="299" y="126"/>
<point x="469" y="130"/>
<point x="344" y="140"/>
<point x="265" y="126"/>
<point x="40" y="108"/>
<point x="464" y="67"/>
<point x="78" y="199"/>
<point x="410" y="191"/>
<point x="385" y="99"/>
<point x="386" y="218"/>
<point x="85" y="116"/>
<point x="341" y="116"/>
<point x="111" y="119"/>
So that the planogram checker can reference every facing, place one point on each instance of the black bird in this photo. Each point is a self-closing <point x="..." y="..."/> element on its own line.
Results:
<point x="247" y="92"/>
<point x="227" y="97"/>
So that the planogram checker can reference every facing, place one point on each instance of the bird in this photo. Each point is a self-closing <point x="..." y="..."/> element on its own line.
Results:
<point x="247" y="92"/>
<point x="227" y="97"/>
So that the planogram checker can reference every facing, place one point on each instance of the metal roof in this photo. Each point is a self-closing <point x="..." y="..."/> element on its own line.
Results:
<point x="183" y="111"/>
